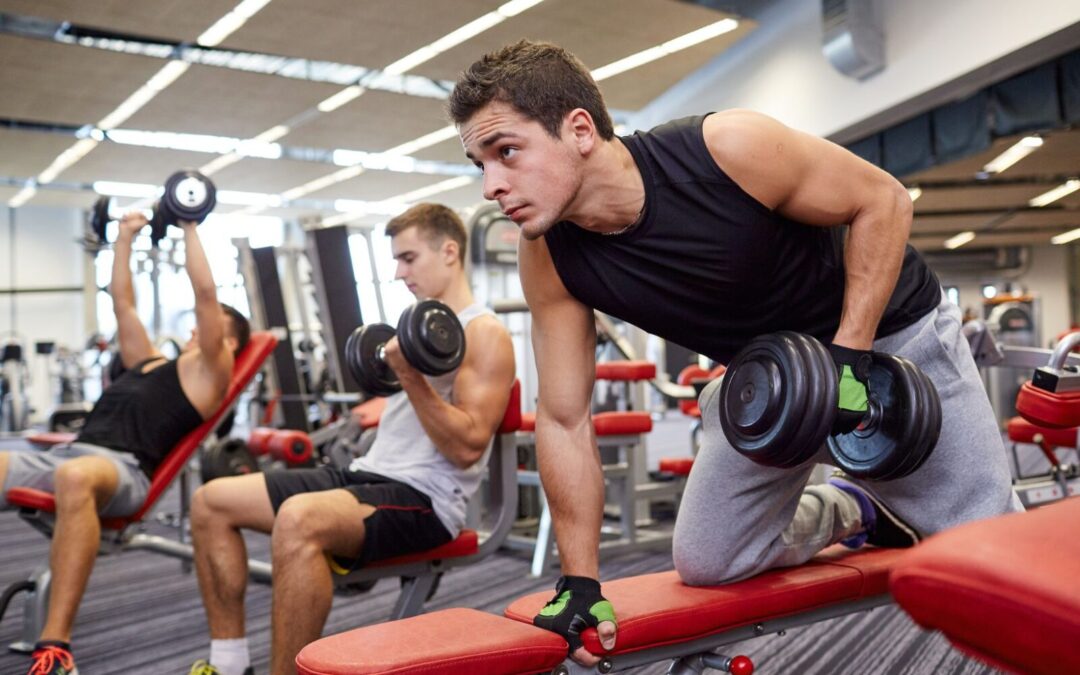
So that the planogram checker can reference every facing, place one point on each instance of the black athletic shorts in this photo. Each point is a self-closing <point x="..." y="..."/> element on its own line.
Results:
<point x="403" y="522"/>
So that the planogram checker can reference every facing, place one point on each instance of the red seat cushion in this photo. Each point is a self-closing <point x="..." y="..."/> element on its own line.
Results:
<point x="1022" y="431"/>
<point x="1004" y="589"/>
<point x="466" y="543"/>
<point x="605" y="423"/>
<point x="680" y="466"/>
<point x="368" y="413"/>
<point x="654" y="610"/>
<point x="448" y="642"/>
<point x="625" y="371"/>
<point x="49" y="438"/>
<point x="1048" y="409"/>
<point x="621" y="423"/>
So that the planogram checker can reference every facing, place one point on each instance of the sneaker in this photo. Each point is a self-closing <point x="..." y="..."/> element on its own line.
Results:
<point x="203" y="667"/>
<point x="52" y="658"/>
<point x="882" y="527"/>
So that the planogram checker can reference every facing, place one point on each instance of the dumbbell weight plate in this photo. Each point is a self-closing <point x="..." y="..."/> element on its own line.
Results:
<point x="99" y="218"/>
<point x="157" y="224"/>
<point x="362" y="358"/>
<point x="229" y="458"/>
<point x="777" y="400"/>
<point x="900" y="425"/>
<point x="431" y="337"/>
<point x="189" y="196"/>
<point x="926" y="418"/>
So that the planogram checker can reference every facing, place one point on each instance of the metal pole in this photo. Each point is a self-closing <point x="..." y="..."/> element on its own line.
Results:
<point x="375" y="274"/>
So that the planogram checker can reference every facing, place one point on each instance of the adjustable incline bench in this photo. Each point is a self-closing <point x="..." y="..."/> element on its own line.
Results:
<point x="660" y="619"/>
<point x="119" y="534"/>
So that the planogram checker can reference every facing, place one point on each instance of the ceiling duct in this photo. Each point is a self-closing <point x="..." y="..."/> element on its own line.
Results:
<point x="853" y="40"/>
<point x="1005" y="261"/>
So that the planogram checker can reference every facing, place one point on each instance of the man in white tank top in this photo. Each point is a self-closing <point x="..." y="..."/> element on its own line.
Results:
<point x="407" y="494"/>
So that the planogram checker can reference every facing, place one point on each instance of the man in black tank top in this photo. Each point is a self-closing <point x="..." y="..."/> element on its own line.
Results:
<point x="132" y="427"/>
<point x="708" y="231"/>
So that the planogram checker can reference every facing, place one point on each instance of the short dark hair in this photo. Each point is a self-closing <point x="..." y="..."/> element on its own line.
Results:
<point x="241" y="327"/>
<point x="540" y="80"/>
<point x="434" y="222"/>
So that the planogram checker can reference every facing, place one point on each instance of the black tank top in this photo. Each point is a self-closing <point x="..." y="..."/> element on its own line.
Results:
<point x="709" y="267"/>
<point x="145" y="414"/>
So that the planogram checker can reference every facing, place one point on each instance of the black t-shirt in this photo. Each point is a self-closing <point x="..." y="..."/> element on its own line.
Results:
<point x="145" y="414"/>
<point x="709" y="267"/>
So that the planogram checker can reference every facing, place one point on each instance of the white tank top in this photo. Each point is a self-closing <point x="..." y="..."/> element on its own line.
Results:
<point x="403" y="451"/>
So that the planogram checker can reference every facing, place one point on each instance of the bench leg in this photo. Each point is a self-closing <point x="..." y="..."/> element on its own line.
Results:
<point x="545" y="536"/>
<point x="414" y="591"/>
<point x="35" y="608"/>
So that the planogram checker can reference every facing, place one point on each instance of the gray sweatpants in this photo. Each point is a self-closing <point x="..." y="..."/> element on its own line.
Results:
<point x="739" y="518"/>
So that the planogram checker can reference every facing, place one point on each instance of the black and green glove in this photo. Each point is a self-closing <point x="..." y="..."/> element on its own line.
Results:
<point x="576" y="606"/>
<point x="853" y="369"/>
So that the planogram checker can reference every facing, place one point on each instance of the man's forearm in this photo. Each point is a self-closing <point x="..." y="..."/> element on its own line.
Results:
<point x="872" y="259"/>
<point x="120" y="286"/>
<point x="197" y="266"/>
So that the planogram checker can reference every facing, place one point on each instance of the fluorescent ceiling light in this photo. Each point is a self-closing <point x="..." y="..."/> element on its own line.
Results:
<point x="196" y="143"/>
<point x="118" y="189"/>
<point x="22" y="196"/>
<point x="1066" y="237"/>
<point x="167" y="75"/>
<point x="425" y="141"/>
<point x="219" y="163"/>
<point x="914" y="193"/>
<point x="665" y="49"/>
<point x="469" y="30"/>
<point x="515" y="7"/>
<point x="1019" y="150"/>
<point x="441" y="186"/>
<point x="323" y="182"/>
<point x="248" y="198"/>
<point x="341" y="98"/>
<point x="959" y="240"/>
<point x="226" y="25"/>
<point x="1067" y="188"/>
<point x="66" y="159"/>
<point x="359" y="206"/>
<point x="272" y="134"/>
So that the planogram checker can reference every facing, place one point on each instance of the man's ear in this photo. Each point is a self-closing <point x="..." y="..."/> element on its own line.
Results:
<point x="231" y="343"/>
<point x="579" y="124"/>
<point x="449" y="251"/>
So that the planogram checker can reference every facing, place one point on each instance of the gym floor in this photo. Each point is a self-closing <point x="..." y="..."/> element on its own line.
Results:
<point x="143" y="614"/>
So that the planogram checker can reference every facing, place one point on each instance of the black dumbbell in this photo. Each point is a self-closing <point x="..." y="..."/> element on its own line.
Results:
<point x="230" y="457"/>
<point x="778" y="404"/>
<point x="188" y="196"/>
<point x="431" y="338"/>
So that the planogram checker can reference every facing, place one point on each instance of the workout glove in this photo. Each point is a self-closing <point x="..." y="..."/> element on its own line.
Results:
<point x="577" y="605"/>
<point x="853" y="368"/>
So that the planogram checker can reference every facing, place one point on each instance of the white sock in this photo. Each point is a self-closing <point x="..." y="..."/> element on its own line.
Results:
<point x="230" y="656"/>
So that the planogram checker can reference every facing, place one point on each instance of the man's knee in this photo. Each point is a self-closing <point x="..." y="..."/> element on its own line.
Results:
<point x="297" y="521"/>
<point x="211" y="504"/>
<point x="76" y="480"/>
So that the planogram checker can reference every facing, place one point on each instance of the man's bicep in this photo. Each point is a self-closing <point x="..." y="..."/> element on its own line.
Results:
<point x="482" y="386"/>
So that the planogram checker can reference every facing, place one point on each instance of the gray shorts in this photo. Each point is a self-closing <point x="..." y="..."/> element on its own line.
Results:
<point x="33" y="468"/>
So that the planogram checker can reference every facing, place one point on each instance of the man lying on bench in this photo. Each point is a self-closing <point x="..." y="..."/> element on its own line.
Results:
<point x="140" y="416"/>
<point x="407" y="494"/>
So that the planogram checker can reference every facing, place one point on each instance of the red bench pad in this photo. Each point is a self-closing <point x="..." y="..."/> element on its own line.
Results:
<point x="679" y="466"/>
<point x="368" y="413"/>
<point x="1022" y="431"/>
<point x="1005" y="590"/>
<point x="451" y="641"/>
<point x="625" y="371"/>
<point x="466" y="543"/>
<point x="655" y="610"/>
<point x="1048" y="409"/>
<point x="50" y="438"/>
<point x="606" y="423"/>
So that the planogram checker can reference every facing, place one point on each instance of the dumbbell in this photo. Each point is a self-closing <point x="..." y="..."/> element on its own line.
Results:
<point x="778" y="404"/>
<point x="188" y="195"/>
<point x="431" y="338"/>
<point x="230" y="457"/>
